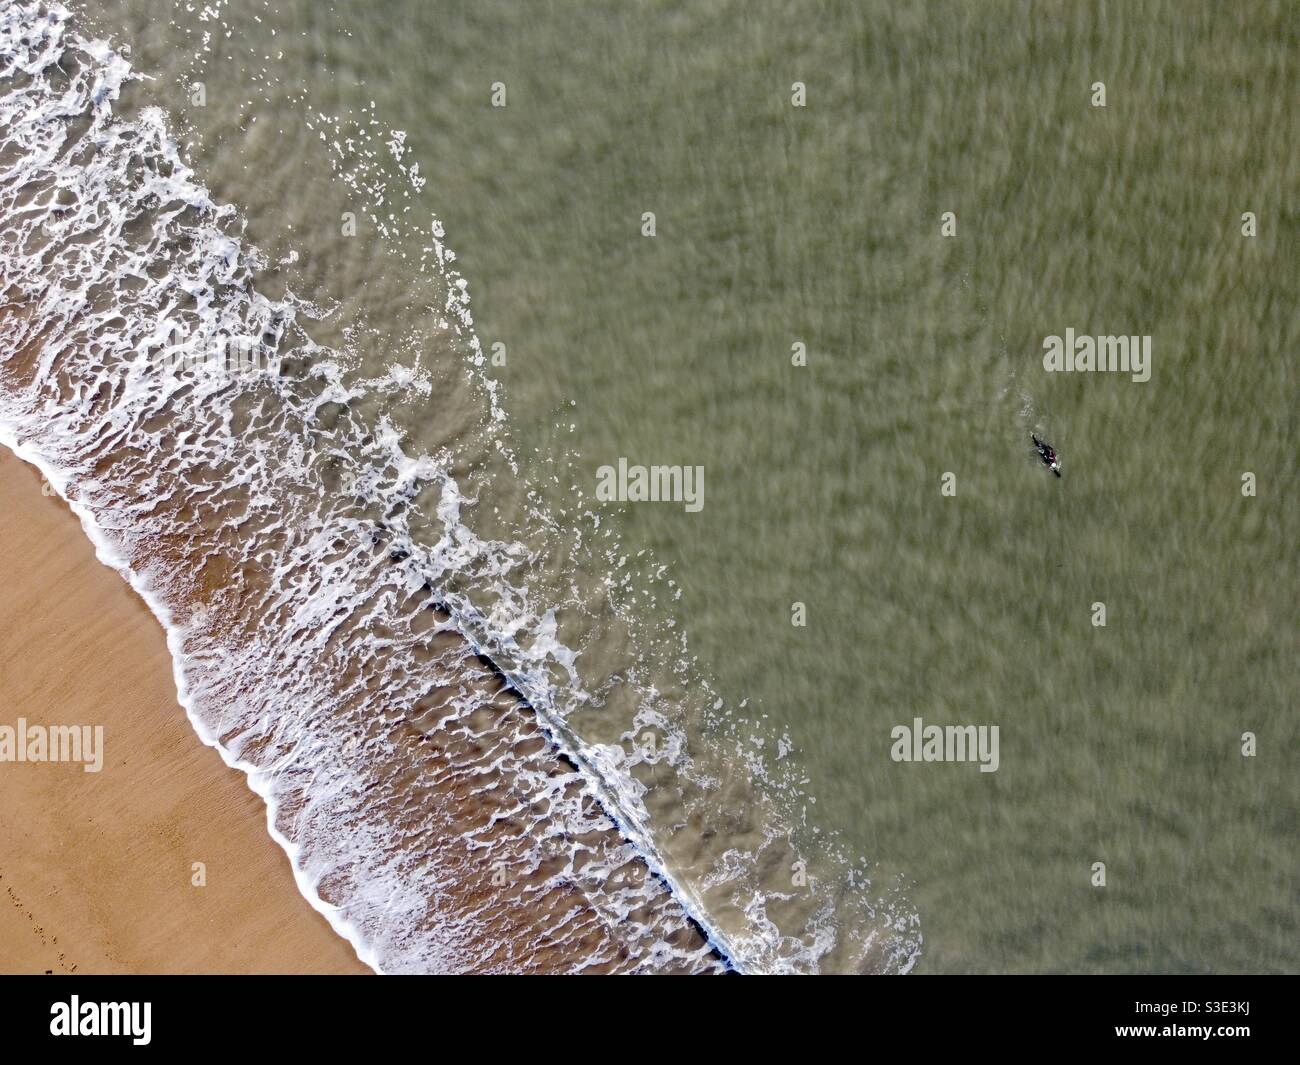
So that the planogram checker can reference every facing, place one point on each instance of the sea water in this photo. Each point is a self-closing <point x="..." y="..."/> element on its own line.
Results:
<point x="812" y="251"/>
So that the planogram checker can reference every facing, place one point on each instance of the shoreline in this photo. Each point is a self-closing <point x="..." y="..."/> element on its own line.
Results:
<point x="162" y="862"/>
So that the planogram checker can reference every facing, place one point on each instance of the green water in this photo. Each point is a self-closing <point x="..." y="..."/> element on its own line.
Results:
<point x="778" y="224"/>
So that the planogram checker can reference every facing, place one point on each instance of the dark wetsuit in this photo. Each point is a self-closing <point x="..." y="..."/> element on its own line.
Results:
<point x="1047" y="453"/>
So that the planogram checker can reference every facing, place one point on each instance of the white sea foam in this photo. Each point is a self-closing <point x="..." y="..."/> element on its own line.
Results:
<point x="338" y="630"/>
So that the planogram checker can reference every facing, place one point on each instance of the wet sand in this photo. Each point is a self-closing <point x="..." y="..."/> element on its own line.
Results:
<point x="98" y="870"/>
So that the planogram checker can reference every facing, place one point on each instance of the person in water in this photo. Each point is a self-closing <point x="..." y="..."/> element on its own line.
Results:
<point x="1048" y="454"/>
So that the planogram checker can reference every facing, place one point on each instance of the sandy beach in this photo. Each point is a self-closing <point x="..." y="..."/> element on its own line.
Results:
<point x="98" y="869"/>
